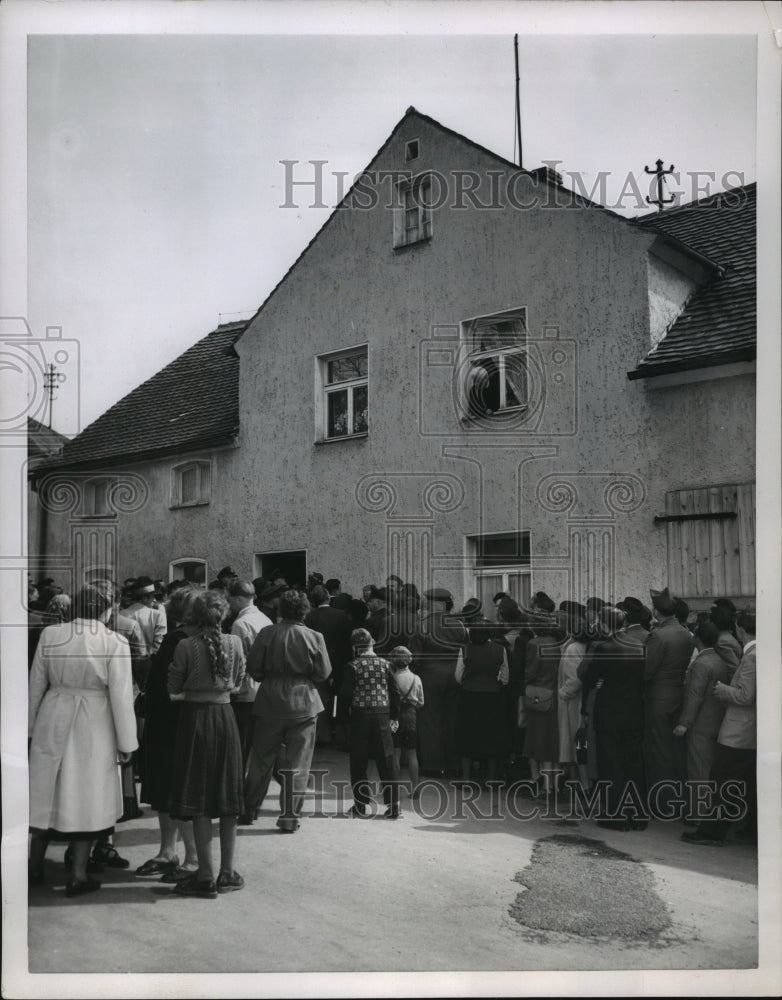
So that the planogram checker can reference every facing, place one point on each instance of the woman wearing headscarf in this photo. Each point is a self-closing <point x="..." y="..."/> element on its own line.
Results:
<point x="82" y="725"/>
<point x="208" y="774"/>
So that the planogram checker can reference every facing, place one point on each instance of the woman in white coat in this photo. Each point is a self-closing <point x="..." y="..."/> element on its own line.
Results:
<point x="81" y="725"/>
<point x="572" y="618"/>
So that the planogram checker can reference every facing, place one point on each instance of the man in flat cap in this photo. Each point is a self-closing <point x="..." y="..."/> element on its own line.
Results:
<point x="669" y="649"/>
<point x="435" y="647"/>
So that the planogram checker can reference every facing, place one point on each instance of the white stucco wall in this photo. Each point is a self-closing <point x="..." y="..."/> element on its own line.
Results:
<point x="586" y="479"/>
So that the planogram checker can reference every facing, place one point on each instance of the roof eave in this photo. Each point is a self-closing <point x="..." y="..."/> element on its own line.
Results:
<point x="693" y="364"/>
<point x="151" y="454"/>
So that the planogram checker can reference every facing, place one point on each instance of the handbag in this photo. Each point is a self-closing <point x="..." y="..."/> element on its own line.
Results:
<point x="538" y="699"/>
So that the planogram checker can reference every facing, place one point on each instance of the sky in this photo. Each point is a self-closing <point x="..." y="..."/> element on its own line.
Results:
<point x="154" y="181"/>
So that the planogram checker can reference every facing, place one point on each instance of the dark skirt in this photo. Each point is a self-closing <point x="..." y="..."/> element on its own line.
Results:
<point x="207" y="775"/>
<point x="157" y="756"/>
<point x="406" y="737"/>
<point x="541" y="738"/>
<point x="482" y="725"/>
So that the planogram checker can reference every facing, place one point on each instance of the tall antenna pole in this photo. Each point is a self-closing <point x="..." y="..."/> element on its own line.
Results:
<point x="518" y="97"/>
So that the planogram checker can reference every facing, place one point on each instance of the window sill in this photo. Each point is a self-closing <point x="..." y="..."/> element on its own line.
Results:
<point x="185" y="506"/>
<point x="423" y="241"/>
<point x="340" y="440"/>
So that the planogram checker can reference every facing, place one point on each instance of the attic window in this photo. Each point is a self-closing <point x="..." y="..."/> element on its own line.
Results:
<point x="413" y="212"/>
<point x="411" y="150"/>
<point x="191" y="484"/>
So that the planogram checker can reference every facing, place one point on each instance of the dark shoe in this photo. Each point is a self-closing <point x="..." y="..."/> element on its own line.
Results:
<point x="355" y="813"/>
<point x="638" y="824"/>
<point x="108" y="856"/>
<point x="94" y="867"/>
<point x="177" y="875"/>
<point x="392" y="813"/>
<point x="229" y="882"/>
<point x="81" y="888"/>
<point x="246" y="819"/>
<point x="697" y="838"/>
<point x="157" y="866"/>
<point x="204" y="888"/>
<point x="289" y="829"/>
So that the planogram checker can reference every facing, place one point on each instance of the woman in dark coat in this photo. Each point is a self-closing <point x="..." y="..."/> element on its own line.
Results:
<point x="482" y="721"/>
<point x="157" y="749"/>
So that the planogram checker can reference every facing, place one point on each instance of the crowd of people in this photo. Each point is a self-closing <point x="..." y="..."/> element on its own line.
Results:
<point x="205" y="695"/>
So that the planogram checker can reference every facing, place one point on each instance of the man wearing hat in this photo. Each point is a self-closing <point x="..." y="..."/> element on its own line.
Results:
<point x="151" y="619"/>
<point x="669" y="649"/>
<point x="638" y="619"/>
<point x="435" y="647"/>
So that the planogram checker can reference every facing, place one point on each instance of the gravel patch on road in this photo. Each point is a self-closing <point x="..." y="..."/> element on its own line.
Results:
<point x="577" y="885"/>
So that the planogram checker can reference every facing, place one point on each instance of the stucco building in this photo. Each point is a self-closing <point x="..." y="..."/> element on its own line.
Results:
<point x="470" y="377"/>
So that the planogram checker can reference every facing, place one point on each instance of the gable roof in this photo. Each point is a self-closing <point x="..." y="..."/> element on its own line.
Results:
<point x="546" y="175"/>
<point x="718" y="324"/>
<point x="194" y="401"/>
<point x="191" y="403"/>
<point x="42" y="441"/>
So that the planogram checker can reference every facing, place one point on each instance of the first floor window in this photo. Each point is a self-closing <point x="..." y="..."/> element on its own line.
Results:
<point x="501" y="564"/>
<point x="191" y="484"/>
<point x="345" y="393"/>
<point x="193" y="570"/>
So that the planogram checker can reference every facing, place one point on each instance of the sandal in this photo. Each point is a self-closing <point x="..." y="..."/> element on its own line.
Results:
<point x="157" y="866"/>
<point x="178" y="875"/>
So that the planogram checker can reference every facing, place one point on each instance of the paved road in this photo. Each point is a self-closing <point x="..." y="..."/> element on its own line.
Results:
<point x="426" y="893"/>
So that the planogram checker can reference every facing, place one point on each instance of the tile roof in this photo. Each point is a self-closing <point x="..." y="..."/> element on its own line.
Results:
<point x="718" y="323"/>
<point x="191" y="403"/>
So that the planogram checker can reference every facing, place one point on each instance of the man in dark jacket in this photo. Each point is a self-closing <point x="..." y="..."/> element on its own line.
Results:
<point x="668" y="652"/>
<point x="335" y="627"/>
<point x="618" y="663"/>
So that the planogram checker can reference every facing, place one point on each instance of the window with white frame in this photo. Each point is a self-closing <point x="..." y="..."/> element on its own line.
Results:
<point x="97" y="497"/>
<point x="413" y="215"/>
<point x="496" y="375"/>
<point x="500" y="564"/>
<point x="191" y="484"/>
<point x="191" y="569"/>
<point x="345" y="394"/>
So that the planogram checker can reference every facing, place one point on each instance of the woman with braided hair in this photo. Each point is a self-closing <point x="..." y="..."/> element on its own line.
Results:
<point x="208" y="774"/>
